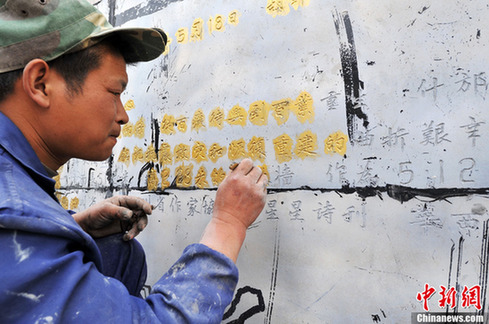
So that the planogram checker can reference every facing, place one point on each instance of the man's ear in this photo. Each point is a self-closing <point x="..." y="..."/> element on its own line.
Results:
<point x="35" y="80"/>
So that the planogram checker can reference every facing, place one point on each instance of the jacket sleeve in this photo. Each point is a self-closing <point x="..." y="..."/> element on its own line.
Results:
<point x="46" y="279"/>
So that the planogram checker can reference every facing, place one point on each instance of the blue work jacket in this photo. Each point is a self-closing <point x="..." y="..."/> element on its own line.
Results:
<point x="49" y="267"/>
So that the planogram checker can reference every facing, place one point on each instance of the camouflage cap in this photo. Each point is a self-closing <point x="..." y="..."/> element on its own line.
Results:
<point x="47" y="29"/>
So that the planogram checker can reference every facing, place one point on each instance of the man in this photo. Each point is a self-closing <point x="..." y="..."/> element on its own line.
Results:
<point x="62" y="71"/>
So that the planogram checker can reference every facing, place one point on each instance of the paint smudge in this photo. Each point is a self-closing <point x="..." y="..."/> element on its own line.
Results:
<point x="352" y="83"/>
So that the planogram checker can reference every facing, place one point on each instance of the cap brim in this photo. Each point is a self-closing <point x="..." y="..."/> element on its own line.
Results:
<point x="137" y="44"/>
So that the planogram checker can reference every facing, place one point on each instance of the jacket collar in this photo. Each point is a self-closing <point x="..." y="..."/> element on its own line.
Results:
<point x="15" y="143"/>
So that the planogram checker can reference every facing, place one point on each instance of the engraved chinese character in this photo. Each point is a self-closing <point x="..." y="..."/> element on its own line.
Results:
<point x="472" y="129"/>
<point x="325" y="211"/>
<point x="295" y="213"/>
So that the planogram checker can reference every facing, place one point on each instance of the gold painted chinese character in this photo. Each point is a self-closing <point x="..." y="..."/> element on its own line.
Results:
<point x="165" y="174"/>
<point x="128" y="130"/>
<point x="303" y="108"/>
<point x="201" y="178"/>
<point x="336" y="143"/>
<point x="139" y="128"/>
<point x="199" y="152"/>
<point x="137" y="155"/>
<point x="256" y="149"/>
<point x="306" y="145"/>
<point x="164" y="154"/>
<point x="278" y="7"/>
<point x="150" y="154"/>
<point x="74" y="203"/>
<point x="182" y="124"/>
<point x="129" y="105"/>
<point x="233" y="18"/>
<point x="152" y="180"/>
<point x="168" y="125"/>
<point x="281" y="110"/>
<point x="216" y="118"/>
<point x="198" y="120"/>
<point x="237" y="150"/>
<point x="197" y="30"/>
<point x="184" y="175"/>
<point x="181" y="153"/>
<point x="125" y="156"/>
<point x="216" y="151"/>
<point x="258" y="113"/>
<point x="217" y="176"/>
<point x="283" y="148"/>
<point x="237" y="116"/>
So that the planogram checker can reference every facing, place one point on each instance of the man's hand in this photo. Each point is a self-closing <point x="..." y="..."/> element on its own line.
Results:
<point x="114" y="215"/>
<point x="239" y="200"/>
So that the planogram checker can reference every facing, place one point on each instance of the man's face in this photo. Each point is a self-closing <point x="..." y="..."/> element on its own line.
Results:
<point x="91" y="120"/>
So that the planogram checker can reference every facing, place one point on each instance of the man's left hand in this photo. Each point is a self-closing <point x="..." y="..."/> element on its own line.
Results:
<point x="114" y="215"/>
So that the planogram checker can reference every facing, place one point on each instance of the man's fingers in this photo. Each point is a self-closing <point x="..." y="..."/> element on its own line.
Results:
<point x="134" y="203"/>
<point x="136" y="228"/>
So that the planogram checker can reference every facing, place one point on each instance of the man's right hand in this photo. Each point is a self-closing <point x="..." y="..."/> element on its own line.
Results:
<point x="239" y="200"/>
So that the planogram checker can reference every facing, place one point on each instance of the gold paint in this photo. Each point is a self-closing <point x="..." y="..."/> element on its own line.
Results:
<point x="306" y="145"/>
<point x="283" y="148"/>
<point x="233" y="166"/>
<point x="165" y="174"/>
<point x="184" y="175"/>
<point x="197" y="30"/>
<point x="217" y="176"/>
<point x="256" y="149"/>
<point x="216" y="118"/>
<point x="139" y="128"/>
<point x="150" y="154"/>
<point x="152" y="180"/>
<point x="199" y="152"/>
<point x="57" y="181"/>
<point x="278" y="7"/>
<point x="182" y="35"/>
<point x="125" y="156"/>
<point x="129" y="105"/>
<point x="281" y="110"/>
<point x="198" y="120"/>
<point x="237" y="150"/>
<point x="336" y="143"/>
<point x="258" y="113"/>
<point x="168" y="125"/>
<point x="137" y="155"/>
<point x="74" y="203"/>
<point x="237" y="116"/>
<point x="233" y="17"/>
<point x="164" y="154"/>
<point x="264" y="169"/>
<point x="299" y="3"/>
<point x="216" y="23"/>
<point x="128" y="129"/>
<point x="167" y="47"/>
<point x="64" y="202"/>
<point x="303" y="108"/>
<point x="181" y="153"/>
<point x="201" y="178"/>
<point x="216" y="151"/>
<point x="182" y="124"/>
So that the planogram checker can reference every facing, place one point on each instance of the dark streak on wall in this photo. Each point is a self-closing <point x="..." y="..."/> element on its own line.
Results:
<point x="151" y="6"/>
<point x="351" y="79"/>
